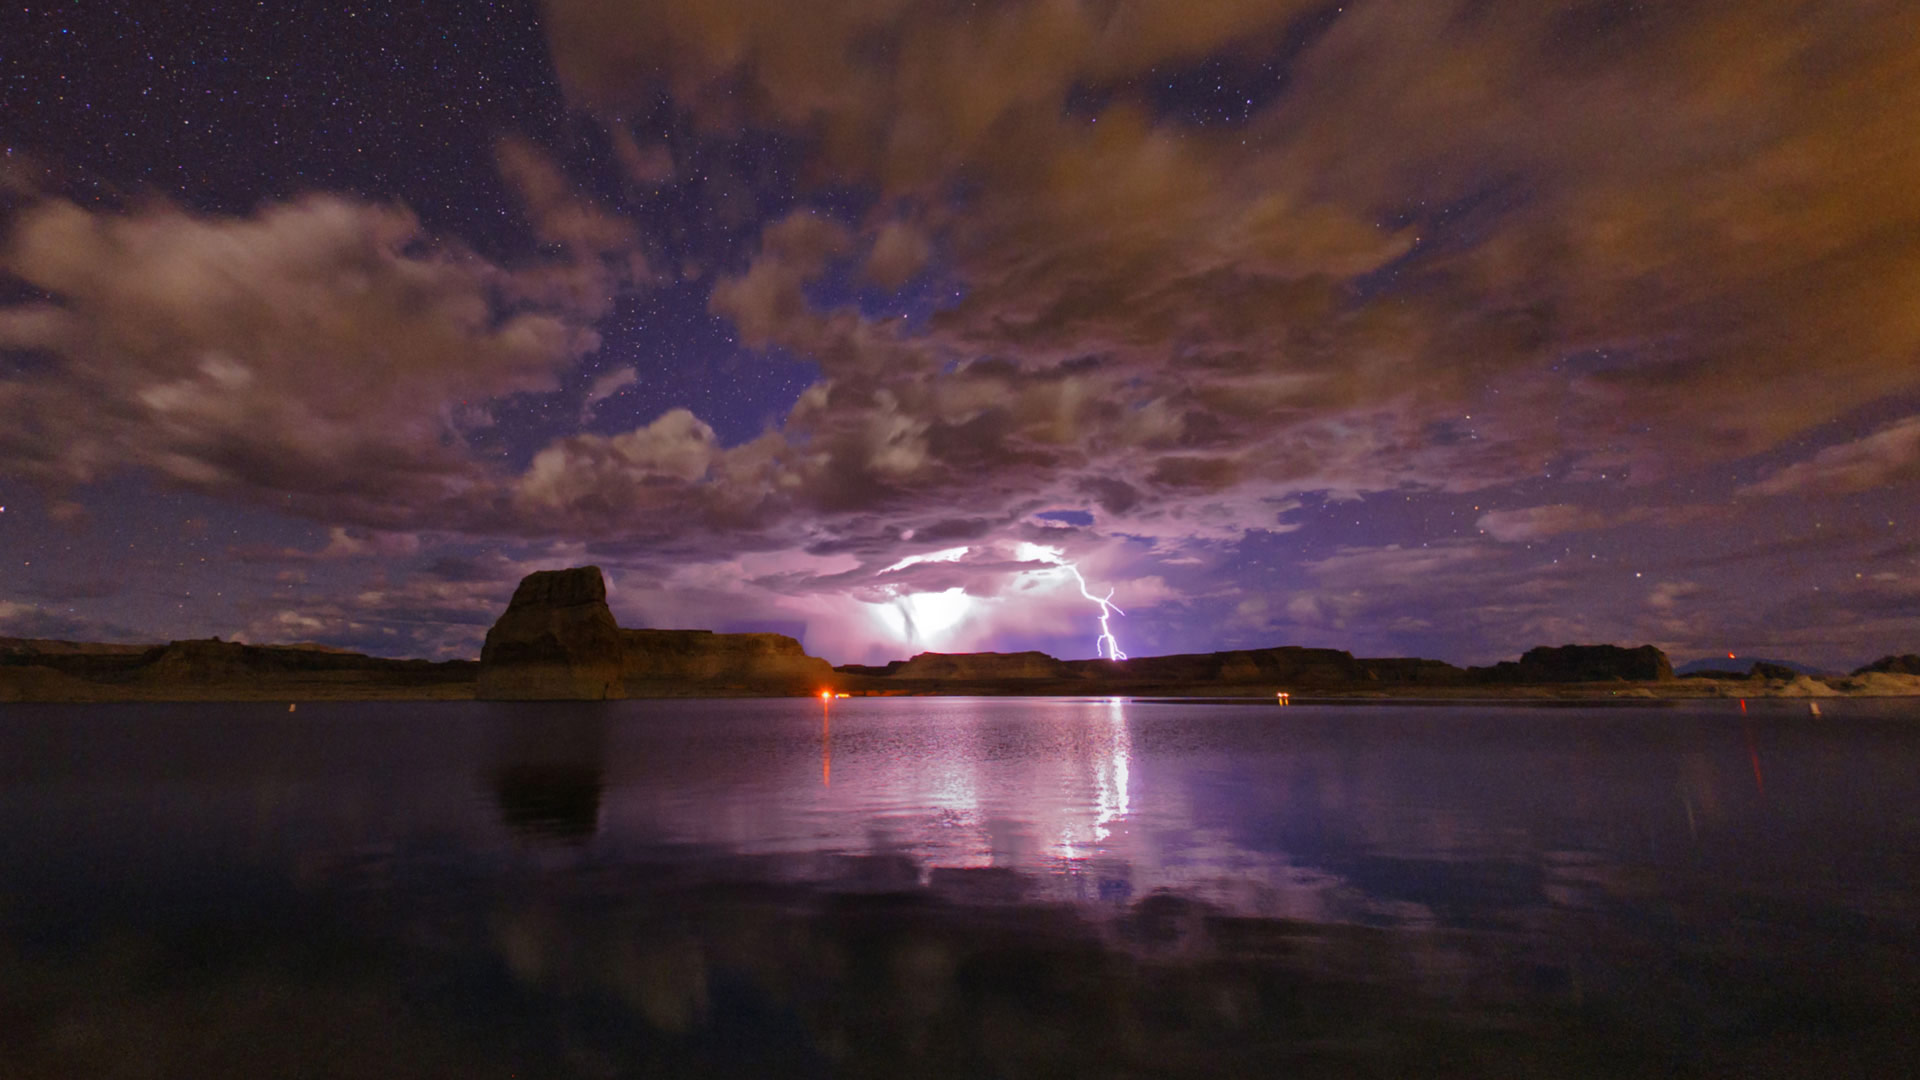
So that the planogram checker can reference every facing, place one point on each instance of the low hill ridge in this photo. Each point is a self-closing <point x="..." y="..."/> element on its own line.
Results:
<point x="558" y="640"/>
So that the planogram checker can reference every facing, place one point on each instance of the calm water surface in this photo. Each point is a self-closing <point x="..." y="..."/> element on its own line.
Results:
<point x="997" y="887"/>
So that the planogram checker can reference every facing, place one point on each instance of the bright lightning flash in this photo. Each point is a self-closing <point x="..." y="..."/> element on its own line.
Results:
<point x="1105" y="645"/>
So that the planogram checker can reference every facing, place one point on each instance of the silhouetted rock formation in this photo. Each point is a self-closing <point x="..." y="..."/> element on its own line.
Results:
<point x="1289" y="664"/>
<point x="36" y="682"/>
<point x="1580" y="663"/>
<point x="78" y="659"/>
<point x="558" y="641"/>
<point x="1411" y="671"/>
<point x="1905" y="664"/>
<point x="990" y="665"/>
<point x="1761" y="670"/>
<point x="211" y="669"/>
<point x="1717" y="673"/>
<point x="213" y="661"/>
<point x="676" y="662"/>
<point x="1292" y="668"/>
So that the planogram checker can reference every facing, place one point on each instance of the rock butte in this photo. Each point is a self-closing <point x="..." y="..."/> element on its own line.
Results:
<point x="558" y="641"/>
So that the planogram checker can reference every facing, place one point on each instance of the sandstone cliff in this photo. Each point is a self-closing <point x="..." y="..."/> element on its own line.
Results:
<point x="558" y="641"/>
<point x="675" y="662"/>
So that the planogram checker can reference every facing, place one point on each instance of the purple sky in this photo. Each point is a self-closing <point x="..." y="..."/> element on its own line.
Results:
<point x="1441" y="328"/>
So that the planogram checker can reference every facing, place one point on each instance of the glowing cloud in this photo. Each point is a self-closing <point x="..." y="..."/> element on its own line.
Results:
<point x="949" y="555"/>
<point x="925" y="619"/>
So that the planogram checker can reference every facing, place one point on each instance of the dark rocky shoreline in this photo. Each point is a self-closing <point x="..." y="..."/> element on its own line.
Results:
<point x="558" y="641"/>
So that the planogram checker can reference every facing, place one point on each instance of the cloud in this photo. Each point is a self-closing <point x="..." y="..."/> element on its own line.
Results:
<point x="32" y="621"/>
<point x="1540" y="522"/>
<point x="665" y="478"/>
<point x="1472" y="199"/>
<point x="900" y="252"/>
<point x="650" y="165"/>
<point x="1667" y="595"/>
<point x="319" y="348"/>
<point x="344" y="543"/>
<point x="605" y="386"/>
<point x="71" y="514"/>
<point x="767" y="299"/>
<point x="1887" y="457"/>
<point x="1178" y="325"/>
<point x="561" y="216"/>
<point x="438" y="607"/>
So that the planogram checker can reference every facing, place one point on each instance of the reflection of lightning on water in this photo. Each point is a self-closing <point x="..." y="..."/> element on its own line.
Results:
<point x="1110" y="777"/>
<point x="1105" y="645"/>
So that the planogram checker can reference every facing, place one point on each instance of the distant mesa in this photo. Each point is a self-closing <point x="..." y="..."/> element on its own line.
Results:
<point x="210" y="669"/>
<point x="988" y="665"/>
<point x="1583" y="663"/>
<point x="558" y="641"/>
<point x="1728" y="668"/>
<point x="1288" y="666"/>
<point x="1904" y="664"/>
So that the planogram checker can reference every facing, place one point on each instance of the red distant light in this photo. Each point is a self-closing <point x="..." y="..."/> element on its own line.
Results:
<point x="1729" y="656"/>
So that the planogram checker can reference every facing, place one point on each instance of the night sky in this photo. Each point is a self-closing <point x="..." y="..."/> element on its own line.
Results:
<point x="1410" y="327"/>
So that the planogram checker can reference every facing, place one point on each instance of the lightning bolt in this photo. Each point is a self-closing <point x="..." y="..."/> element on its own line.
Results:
<point x="1105" y="645"/>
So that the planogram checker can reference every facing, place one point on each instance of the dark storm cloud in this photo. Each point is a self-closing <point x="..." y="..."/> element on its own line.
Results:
<point x="1399" y="272"/>
<point x="1190" y="323"/>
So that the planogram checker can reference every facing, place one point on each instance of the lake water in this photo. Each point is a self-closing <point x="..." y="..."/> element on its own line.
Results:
<point x="958" y="887"/>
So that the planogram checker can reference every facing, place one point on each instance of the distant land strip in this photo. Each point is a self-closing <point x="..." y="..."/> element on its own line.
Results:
<point x="558" y="641"/>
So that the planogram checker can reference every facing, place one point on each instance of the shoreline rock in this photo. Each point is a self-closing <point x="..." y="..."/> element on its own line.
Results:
<point x="558" y="641"/>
